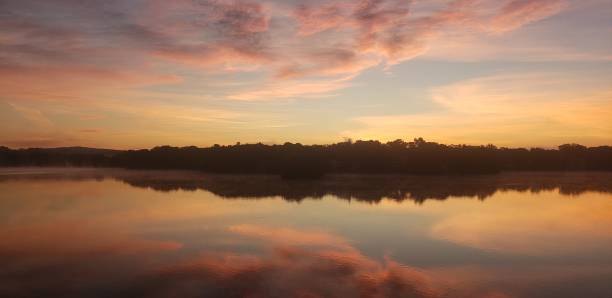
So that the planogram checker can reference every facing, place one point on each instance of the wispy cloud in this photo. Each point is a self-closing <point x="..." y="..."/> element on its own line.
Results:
<point x="543" y="109"/>
<point x="33" y="116"/>
<point x="292" y="89"/>
<point x="517" y="13"/>
<point x="337" y="38"/>
<point x="187" y="69"/>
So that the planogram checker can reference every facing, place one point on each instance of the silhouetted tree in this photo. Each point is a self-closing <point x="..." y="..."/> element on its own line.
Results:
<point x="312" y="161"/>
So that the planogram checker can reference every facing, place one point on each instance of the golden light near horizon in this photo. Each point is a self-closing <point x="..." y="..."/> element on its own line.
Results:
<point x="133" y="74"/>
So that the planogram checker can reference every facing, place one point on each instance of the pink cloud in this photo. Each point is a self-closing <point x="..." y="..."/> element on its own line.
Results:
<point x="337" y="38"/>
<point x="517" y="13"/>
<point x="389" y="29"/>
<point x="328" y="62"/>
<point x="313" y="20"/>
<point x="53" y="82"/>
<point x="206" y="56"/>
<point x="211" y="33"/>
<point x="288" y="89"/>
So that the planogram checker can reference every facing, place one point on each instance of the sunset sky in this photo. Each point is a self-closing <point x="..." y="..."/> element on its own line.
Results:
<point x="141" y="73"/>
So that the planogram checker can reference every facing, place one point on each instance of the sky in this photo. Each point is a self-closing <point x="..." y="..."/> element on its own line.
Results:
<point x="142" y="73"/>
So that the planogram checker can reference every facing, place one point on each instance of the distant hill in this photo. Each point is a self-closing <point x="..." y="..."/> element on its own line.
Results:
<point x="80" y="150"/>
<point x="60" y="156"/>
<point x="68" y="150"/>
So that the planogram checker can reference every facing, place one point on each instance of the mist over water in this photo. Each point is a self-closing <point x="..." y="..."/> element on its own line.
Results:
<point x="110" y="232"/>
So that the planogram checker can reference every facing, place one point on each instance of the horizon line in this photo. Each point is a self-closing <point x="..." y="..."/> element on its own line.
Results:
<point x="240" y="143"/>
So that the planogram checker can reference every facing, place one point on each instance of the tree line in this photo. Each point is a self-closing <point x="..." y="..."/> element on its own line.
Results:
<point x="294" y="160"/>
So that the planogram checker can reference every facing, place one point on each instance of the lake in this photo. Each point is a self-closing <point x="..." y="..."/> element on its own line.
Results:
<point x="120" y="233"/>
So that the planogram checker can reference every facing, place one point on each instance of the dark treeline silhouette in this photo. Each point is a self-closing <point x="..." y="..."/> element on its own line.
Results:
<point x="365" y="188"/>
<point x="308" y="161"/>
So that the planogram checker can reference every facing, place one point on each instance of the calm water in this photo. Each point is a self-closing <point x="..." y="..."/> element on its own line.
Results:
<point x="115" y="233"/>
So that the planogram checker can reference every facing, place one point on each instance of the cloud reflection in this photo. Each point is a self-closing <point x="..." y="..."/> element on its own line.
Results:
<point x="287" y="272"/>
<point x="68" y="235"/>
<point x="547" y="227"/>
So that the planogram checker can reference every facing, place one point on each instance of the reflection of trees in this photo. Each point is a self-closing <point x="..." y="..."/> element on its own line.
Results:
<point x="368" y="188"/>
<point x="375" y="188"/>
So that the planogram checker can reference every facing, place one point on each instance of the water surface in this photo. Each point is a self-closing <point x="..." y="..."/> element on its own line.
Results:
<point x="119" y="233"/>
